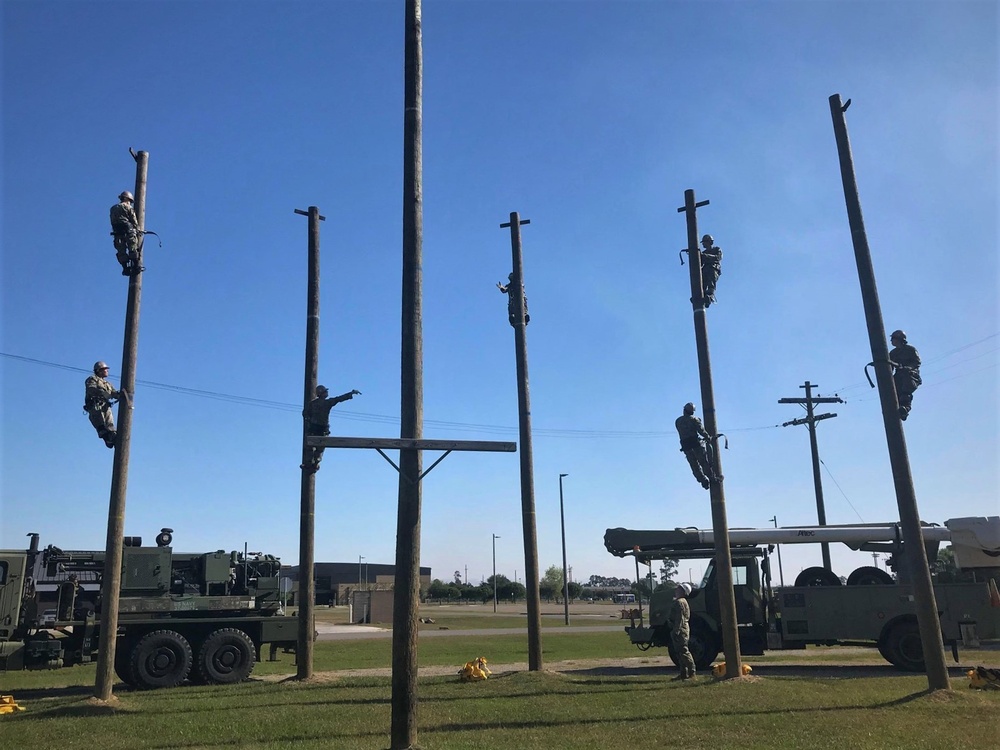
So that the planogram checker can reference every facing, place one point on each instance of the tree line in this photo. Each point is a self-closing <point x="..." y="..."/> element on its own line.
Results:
<point x="597" y="588"/>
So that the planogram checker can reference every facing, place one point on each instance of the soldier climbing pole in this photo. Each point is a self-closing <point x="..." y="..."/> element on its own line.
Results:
<point x="906" y="499"/>
<point x="720" y="525"/>
<point x="518" y="319"/>
<point x="307" y="511"/>
<point x="111" y="583"/>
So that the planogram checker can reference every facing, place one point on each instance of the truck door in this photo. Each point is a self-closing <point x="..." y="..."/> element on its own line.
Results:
<point x="746" y="581"/>
<point x="12" y="565"/>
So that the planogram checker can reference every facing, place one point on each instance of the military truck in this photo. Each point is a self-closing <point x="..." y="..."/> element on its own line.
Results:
<point x="873" y="608"/>
<point x="199" y="616"/>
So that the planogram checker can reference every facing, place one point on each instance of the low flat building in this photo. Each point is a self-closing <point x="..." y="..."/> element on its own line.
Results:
<point x="336" y="581"/>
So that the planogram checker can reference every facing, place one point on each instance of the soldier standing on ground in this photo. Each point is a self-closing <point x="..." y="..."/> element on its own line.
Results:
<point x="127" y="234"/>
<point x="906" y="371"/>
<point x="693" y="439"/>
<point x="317" y="418"/>
<point x="97" y="403"/>
<point x="711" y="268"/>
<point x="680" y="631"/>
<point x="511" y="312"/>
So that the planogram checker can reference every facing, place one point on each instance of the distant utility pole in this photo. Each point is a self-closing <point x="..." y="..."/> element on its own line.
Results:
<point x="915" y="553"/>
<point x="112" y="577"/>
<point x="495" y="537"/>
<point x="562" y="525"/>
<point x="781" y="572"/>
<point x="516" y="296"/>
<point x="811" y="419"/>
<point x="307" y="506"/>
<point x="720" y="527"/>
<point x="406" y="594"/>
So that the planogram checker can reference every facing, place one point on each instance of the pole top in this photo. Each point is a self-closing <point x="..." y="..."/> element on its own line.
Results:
<point x="300" y="212"/>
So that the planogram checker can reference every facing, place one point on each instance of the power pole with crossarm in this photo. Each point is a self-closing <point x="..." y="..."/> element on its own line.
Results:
<point x="811" y="419"/>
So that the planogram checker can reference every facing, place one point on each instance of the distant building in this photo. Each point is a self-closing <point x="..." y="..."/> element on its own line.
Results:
<point x="336" y="581"/>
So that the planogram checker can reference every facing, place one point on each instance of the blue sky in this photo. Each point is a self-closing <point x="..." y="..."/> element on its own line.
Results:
<point x="588" y="118"/>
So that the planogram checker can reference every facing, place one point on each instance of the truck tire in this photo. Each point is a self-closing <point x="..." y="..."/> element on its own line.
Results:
<point x="703" y="645"/>
<point x="226" y="656"/>
<point x="903" y="648"/>
<point x="123" y="657"/>
<point x="817" y="576"/>
<point x="161" y="658"/>
<point x="869" y="575"/>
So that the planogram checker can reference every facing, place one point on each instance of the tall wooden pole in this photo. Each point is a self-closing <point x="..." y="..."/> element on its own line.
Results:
<point x="406" y="594"/>
<point x="906" y="498"/>
<point x="531" y="573"/>
<point x="720" y="524"/>
<point x="307" y="512"/>
<point x="112" y="577"/>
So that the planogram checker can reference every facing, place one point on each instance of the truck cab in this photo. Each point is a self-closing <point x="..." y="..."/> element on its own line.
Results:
<point x="752" y="591"/>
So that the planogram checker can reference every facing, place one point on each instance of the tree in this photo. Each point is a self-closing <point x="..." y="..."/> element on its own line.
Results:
<point x="668" y="573"/>
<point x="458" y="577"/>
<point x="551" y="584"/>
<point x="438" y="590"/>
<point x="575" y="590"/>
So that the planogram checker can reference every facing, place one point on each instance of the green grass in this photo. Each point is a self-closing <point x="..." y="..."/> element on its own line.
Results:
<point x="518" y="712"/>
<point x="636" y="707"/>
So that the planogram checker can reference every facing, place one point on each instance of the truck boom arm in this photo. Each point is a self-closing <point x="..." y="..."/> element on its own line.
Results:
<point x="975" y="540"/>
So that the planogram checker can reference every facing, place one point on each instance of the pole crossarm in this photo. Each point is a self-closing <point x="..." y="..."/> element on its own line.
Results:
<point x="412" y="444"/>
<point x="815" y="400"/>
<point x="808" y="420"/>
<point x="382" y="444"/>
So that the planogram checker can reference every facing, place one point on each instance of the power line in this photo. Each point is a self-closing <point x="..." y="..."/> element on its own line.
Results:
<point x="830" y="474"/>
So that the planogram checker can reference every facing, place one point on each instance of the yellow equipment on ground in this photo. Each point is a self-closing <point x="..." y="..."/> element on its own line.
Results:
<point x="719" y="670"/>
<point x="982" y="678"/>
<point x="8" y="706"/>
<point x="474" y="670"/>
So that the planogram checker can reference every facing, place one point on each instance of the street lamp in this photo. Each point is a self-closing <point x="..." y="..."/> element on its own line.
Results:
<point x="495" y="537"/>
<point x="781" y="573"/>
<point x="360" y="558"/>
<point x="562" y="523"/>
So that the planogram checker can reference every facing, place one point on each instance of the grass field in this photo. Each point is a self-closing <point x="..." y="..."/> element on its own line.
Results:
<point x="861" y="703"/>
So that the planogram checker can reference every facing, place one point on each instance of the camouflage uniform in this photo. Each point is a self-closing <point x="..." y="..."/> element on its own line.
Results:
<point x="693" y="438"/>
<point x="711" y="270"/>
<point x="511" y="310"/>
<point x="906" y="376"/>
<point x="128" y="236"/>
<point x="680" y="632"/>
<point x="97" y="404"/>
<point x="317" y="419"/>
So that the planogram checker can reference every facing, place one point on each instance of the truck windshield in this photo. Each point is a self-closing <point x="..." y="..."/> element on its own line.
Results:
<point x="708" y="574"/>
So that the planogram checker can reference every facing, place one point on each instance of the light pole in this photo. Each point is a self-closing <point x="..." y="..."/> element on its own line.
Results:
<point x="360" y="558"/>
<point x="562" y="523"/>
<point x="781" y="573"/>
<point x="495" y="537"/>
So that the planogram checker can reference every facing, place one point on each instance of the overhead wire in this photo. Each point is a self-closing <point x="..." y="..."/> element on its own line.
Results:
<point x="356" y="416"/>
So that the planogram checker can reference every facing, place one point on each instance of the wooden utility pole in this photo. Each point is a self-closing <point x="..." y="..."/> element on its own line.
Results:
<point x="307" y="512"/>
<point x="811" y="419"/>
<point x="406" y="595"/>
<point x="899" y="460"/>
<point x="720" y="525"/>
<point x="515" y="292"/>
<point x="112" y="577"/>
